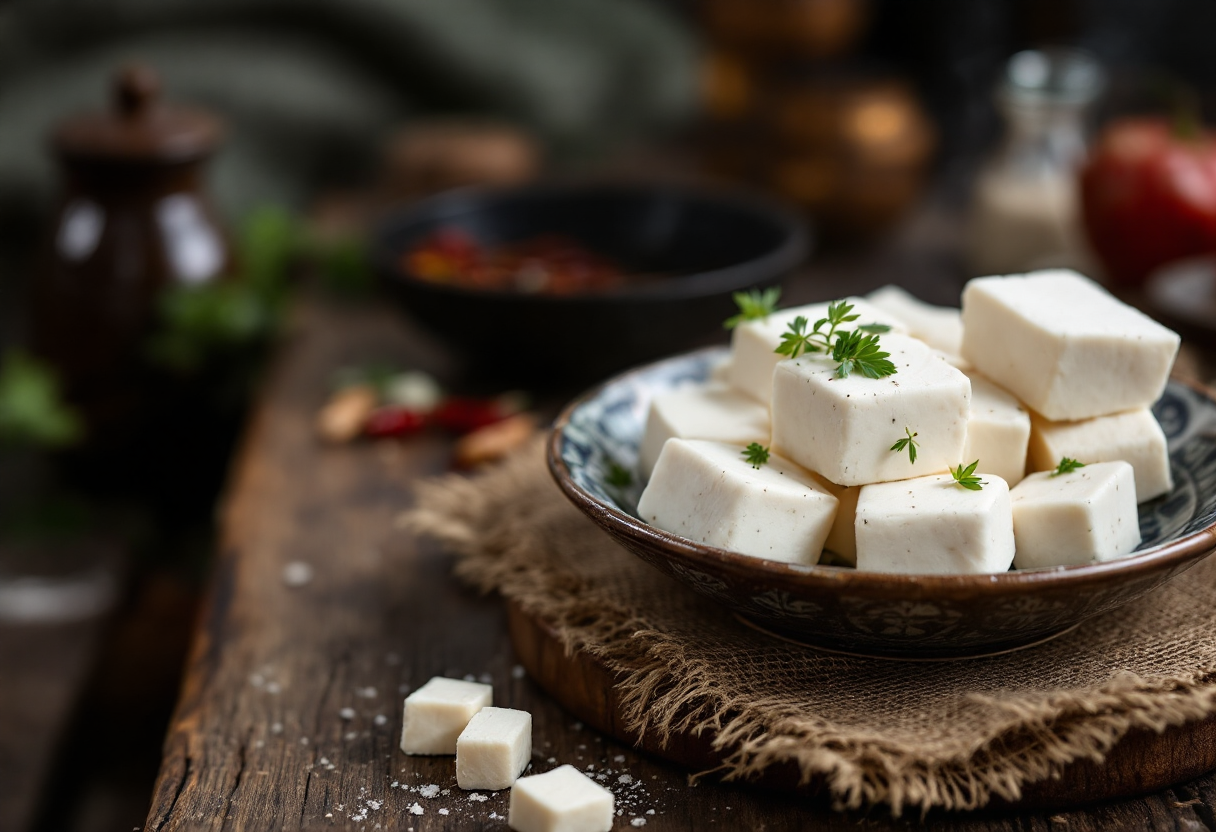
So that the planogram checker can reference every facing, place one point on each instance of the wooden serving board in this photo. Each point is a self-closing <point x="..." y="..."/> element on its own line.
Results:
<point x="1142" y="763"/>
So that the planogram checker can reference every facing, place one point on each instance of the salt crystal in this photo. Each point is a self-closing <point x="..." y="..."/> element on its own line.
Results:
<point x="394" y="784"/>
<point x="366" y="693"/>
<point x="518" y="672"/>
<point x="619" y="758"/>
<point x="416" y="810"/>
<point x="625" y="779"/>
<point x="277" y="728"/>
<point x="350" y="735"/>
<point x="373" y="804"/>
<point x="485" y="679"/>
<point x="469" y="677"/>
<point x="638" y="822"/>
<point x="380" y="719"/>
<point x="347" y="713"/>
<point x="273" y="688"/>
<point x="478" y="797"/>
<point x="297" y="573"/>
<point x="650" y="811"/>
<point x="430" y="790"/>
<point x="443" y="811"/>
<point x="551" y="760"/>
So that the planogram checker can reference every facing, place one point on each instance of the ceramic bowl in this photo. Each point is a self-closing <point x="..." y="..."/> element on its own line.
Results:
<point x="706" y="242"/>
<point x="871" y="613"/>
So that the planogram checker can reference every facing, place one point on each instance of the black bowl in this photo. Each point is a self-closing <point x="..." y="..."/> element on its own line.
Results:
<point x="711" y="241"/>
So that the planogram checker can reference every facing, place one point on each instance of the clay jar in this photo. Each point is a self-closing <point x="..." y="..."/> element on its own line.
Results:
<point x="133" y="220"/>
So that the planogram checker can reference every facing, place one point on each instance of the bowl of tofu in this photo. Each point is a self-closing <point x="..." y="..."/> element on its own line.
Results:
<point x="974" y="481"/>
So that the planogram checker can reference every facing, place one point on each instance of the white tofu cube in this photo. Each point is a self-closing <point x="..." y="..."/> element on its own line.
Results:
<point x="562" y="800"/>
<point x="844" y="428"/>
<point x="437" y="712"/>
<point x="842" y="539"/>
<point x="998" y="430"/>
<point x="1085" y="515"/>
<point x="1064" y="345"/>
<point x="1134" y="437"/>
<point x="701" y="411"/>
<point x="753" y="344"/>
<point x="493" y="749"/>
<point x="941" y="327"/>
<point x="707" y="492"/>
<point x="720" y="371"/>
<point x="932" y="525"/>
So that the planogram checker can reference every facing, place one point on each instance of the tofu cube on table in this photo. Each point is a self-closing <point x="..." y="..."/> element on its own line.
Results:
<point x="753" y="344"/>
<point x="1134" y="437"/>
<point x="1064" y="345"/>
<point x="701" y="411"/>
<point x="998" y="430"/>
<point x="941" y="327"/>
<point x="1085" y="515"/>
<point x="843" y="428"/>
<point x="932" y="525"/>
<point x="437" y="712"/>
<point x="707" y="492"/>
<point x="493" y="749"/>
<point x="562" y="800"/>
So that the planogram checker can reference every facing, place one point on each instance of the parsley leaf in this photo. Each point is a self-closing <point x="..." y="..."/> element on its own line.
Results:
<point x="876" y="329"/>
<point x="618" y="475"/>
<point x="966" y="477"/>
<point x="754" y="305"/>
<point x="1067" y="466"/>
<point x="857" y="351"/>
<point x="795" y="341"/>
<point x="756" y="454"/>
<point x="908" y="442"/>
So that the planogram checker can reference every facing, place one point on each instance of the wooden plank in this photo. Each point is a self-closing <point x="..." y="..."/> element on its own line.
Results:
<point x="261" y="738"/>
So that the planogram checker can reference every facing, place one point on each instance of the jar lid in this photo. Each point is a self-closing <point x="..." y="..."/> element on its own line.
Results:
<point x="139" y="127"/>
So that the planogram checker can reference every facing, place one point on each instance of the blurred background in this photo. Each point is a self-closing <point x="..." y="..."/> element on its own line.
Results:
<point x="174" y="176"/>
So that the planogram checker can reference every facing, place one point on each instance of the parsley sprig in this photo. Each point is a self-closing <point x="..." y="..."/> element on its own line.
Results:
<point x="754" y="305"/>
<point x="908" y="442"/>
<point x="856" y="349"/>
<point x="618" y="475"/>
<point x="1067" y="466"/>
<point x="756" y="454"/>
<point x="966" y="477"/>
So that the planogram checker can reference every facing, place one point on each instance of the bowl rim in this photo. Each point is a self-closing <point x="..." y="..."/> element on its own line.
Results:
<point x="913" y="586"/>
<point x="793" y="250"/>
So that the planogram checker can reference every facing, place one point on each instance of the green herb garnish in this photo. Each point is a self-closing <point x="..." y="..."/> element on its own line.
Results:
<point x="857" y="349"/>
<point x="908" y="442"/>
<point x="754" y="305"/>
<point x="1067" y="466"/>
<point x="618" y="475"/>
<point x="966" y="477"/>
<point x="756" y="454"/>
<point x="33" y="412"/>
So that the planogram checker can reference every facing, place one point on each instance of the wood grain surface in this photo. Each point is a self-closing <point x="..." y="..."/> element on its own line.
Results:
<point x="289" y="713"/>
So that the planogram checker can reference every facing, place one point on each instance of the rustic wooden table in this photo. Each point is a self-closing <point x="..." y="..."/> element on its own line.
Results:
<point x="290" y="710"/>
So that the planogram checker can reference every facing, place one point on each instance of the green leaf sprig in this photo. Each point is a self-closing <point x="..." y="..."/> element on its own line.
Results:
<point x="618" y="475"/>
<point x="856" y="349"/>
<point x="1067" y="466"/>
<point x="754" y="305"/>
<point x="908" y="442"/>
<point x="966" y="477"/>
<point x="756" y="454"/>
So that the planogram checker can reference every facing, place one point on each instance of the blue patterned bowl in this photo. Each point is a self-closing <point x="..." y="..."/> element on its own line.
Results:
<point x="870" y="613"/>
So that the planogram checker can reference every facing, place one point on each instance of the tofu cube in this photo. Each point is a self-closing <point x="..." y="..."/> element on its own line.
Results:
<point x="842" y="538"/>
<point x="562" y="800"/>
<point x="933" y="526"/>
<point x="941" y="327"/>
<point x="1064" y="345"/>
<point x="753" y="344"/>
<point x="998" y="430"/>
<point x="493" y="749"/>
<point x="437" y="712"/>
<point x="1134" y="437"/>
<point x="707" y="492"/>
<point x="844" y="428"/>
<point x="701" y="411"/>
<point x="1085" y="515"/>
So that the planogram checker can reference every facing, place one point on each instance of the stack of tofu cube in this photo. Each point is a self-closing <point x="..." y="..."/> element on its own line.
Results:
<point x="1035" y="368"/>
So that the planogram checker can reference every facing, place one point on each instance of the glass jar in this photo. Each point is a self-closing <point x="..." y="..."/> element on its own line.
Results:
<point x="1024" y="212"/>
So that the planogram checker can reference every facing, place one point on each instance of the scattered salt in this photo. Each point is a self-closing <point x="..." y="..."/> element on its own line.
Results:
<point x="625" y="779"/>
<point x="417" y="810"/>
<point x="518" y="672"/>
<point x="650" y="811"/>
<point x="373" y="804"/>
<point x="430" y="790"/>
<point x="469" y="677"/>
<point x="366" y="693"/>
<point x="380" y="719"/>
<point x="276" y="728"/>
<point x="443" y="811"/>
<point x="638" y="822"/>
<point x="619" y="758"/>
<point x="273" y="688"/>
<point x="350" y="735"/>
<point x="478" y="797"/>
<point x="347" y="713"/>
<point x="485" y="679"/>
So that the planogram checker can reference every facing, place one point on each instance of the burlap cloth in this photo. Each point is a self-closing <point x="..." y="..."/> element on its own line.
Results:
<point x="911" y="735"/>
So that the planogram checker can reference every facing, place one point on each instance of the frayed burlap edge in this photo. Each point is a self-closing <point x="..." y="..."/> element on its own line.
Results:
<point x="666" y="691"/>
